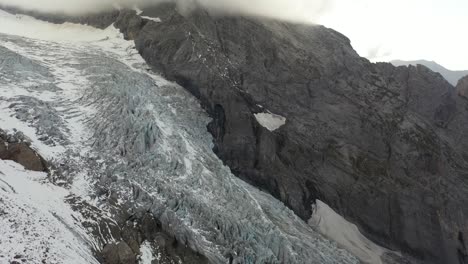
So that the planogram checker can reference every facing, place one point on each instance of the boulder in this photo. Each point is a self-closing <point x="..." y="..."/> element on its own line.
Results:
<point x="21" y="152"/>
<point x="119" y="253"/>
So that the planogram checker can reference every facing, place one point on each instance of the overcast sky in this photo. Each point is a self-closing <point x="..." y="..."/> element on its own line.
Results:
<point x="291" y="10"/>
<point x="383" y="30"/>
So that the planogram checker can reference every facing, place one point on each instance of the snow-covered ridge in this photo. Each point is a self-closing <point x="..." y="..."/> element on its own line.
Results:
<point x="131" y="133"/>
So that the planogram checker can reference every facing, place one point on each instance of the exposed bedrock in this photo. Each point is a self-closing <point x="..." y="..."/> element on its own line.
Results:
<point x="384" y="146"/>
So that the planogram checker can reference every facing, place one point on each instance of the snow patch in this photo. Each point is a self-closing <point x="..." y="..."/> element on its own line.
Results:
<point x="147" y="254"/>
<point x="270" y="121"/>
<point x="155" y="19"/>
<point x="346" y="234"/>
<point x="138" y="10"/>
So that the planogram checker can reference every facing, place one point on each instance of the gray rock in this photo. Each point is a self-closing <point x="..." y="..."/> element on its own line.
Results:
<point x="119" y="253"/>
<point x="462" y="87"/>
<point x="13" y="147"/>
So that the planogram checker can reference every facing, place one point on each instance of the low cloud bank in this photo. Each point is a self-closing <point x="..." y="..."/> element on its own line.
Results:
<point x="305" y="11"/>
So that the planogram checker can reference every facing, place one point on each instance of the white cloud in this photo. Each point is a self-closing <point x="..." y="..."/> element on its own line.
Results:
<point x="404" y="29"/>
<point x="293" y="10"/>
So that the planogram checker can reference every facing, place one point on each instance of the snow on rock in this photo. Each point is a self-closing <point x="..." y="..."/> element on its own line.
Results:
<point x="346" y="234"/>
<point x="270" y="121"/>
<point x="147" y="253"/>
<point x="137" y="10"/>
<point x="36" y="225"/>
<point x="155" y="19"/>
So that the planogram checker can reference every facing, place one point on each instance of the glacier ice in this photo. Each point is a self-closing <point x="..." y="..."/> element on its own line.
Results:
<point x="153" y="148"/>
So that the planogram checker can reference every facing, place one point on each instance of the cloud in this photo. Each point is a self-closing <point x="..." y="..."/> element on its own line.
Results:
<point x="292" y="10"/>
<point x="378" y="52"/>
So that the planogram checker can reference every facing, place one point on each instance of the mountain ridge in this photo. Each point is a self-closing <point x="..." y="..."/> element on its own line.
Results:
<point x="451" y="76"/>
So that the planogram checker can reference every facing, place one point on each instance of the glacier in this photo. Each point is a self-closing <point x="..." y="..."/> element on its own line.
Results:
<point x="116" y="132"/>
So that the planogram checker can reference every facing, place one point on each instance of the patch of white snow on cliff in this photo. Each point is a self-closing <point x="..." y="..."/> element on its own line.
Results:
<point x="270" y="121"/>
<point x="155" y="19"/>
<point x="346" y="234"/>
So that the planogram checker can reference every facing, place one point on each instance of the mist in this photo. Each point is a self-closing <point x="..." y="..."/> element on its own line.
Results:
<point x="304" y="11"/>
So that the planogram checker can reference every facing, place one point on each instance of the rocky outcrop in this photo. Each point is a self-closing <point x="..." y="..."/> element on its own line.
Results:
<point x="119" y="253"/>
<point x="16" y="148"/>
<point x="119" y="240"/>
<point x="462" y="87"/>
<point x="382" y="145"/>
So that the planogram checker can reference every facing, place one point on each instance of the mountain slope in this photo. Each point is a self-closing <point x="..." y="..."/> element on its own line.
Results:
<point x="372" y="141"/>
<point x="451" y="76"/>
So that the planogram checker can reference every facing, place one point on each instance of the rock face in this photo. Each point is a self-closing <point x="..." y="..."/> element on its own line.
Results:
<point x="462" y="87"/>
<point x="15" y="149"/>
<point x="382" y="145"/>
<point x="119" y="253"/>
